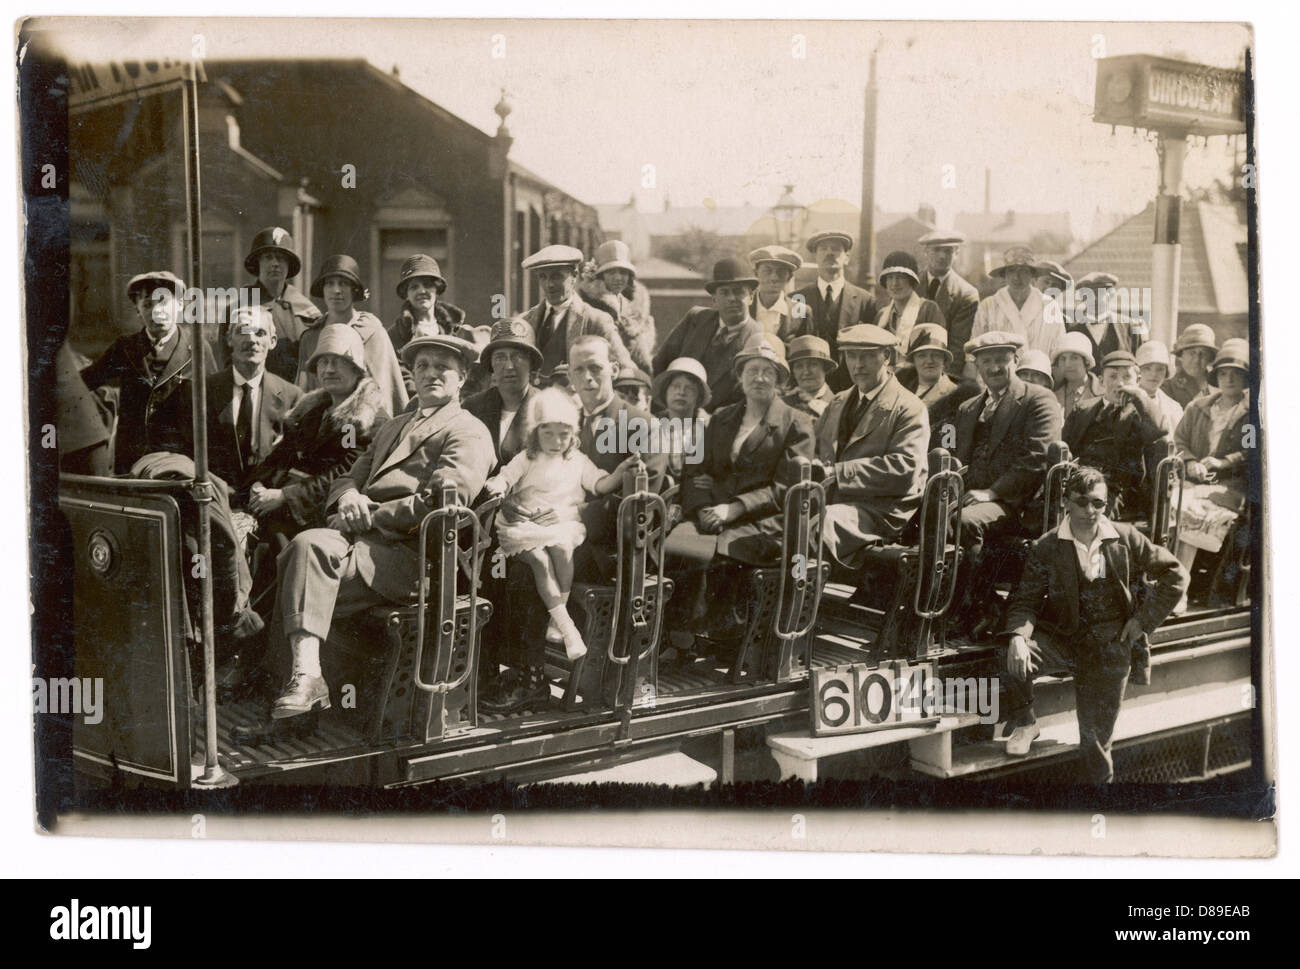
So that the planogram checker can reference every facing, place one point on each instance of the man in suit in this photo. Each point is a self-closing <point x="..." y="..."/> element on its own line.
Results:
<point x="1117" y="433"/>
<point x="154" y="369"/>
<point x="714" y="336"/>
<point x="513" y="359"/>
<point x="1002" y="439"/>
<point x="775" y="266"/>
<point x="833" y="302"/>
<point x="368" y="554"/>
<point x="956" y="297"/>
<point x="1091" y="592"/>
<point x="247" y="404"/>
<point x="871" y="445"/>
<point x="1095" y="314"/>
<point x="271" y="258"/>
<point x="563" y="315"/>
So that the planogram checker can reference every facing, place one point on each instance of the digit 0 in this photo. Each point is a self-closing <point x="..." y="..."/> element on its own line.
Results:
<point x="878" y="713"/>
<point x="825" y="702"/>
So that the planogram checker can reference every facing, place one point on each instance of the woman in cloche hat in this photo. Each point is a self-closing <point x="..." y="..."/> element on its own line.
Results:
<point x="424" y="312"/>
<point x="681" y="392"/>
<point x="925" y="375"/>
<point x="608" y="282"/>
<point x="339" y="284"/>
<point x="906" y="308"/>
<point x="324" y="434"/>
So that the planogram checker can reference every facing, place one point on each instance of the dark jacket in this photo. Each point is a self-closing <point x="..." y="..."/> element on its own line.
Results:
<point x="1048" y="595"/>
<point x="1183" y="389"/>
<point x="82" y="421"/>
<point x="942" y="400"/>
<point x="1192" y="437"/>
<point x="581" y="319"/>
<point x="449" y="319"/>
<point x="631" y="314"/>
<point x="766" y="466"/>
<point x="958" y="300"/>
<point x="293" y="313"/>
<point x="318" y="447"/>
<point x="154" y="414"/>
<point x="693" y="337"/>
<point x="487" y="407"/>
<point x="1138" y="437"/>
<point x="224" y="460"/>
<point x="856" y="306"/>
<point x="1121" y="333"/>
<point x="1026" y="421"/>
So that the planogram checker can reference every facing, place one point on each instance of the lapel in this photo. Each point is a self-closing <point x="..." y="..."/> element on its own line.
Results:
<point x="875" y="412"/>
<point x="1067" y="564"/>
<point x="272" y="410"/>
<point x="968" y="415"/>
<point x="179" y="360"/>
<point x="850" y="305"/>
<point x="1008" y="407"/>
<point x="1116" y="561"/>
<point x="770" y="426"/>
<point x="519" y="424"/>
<point x="573" y="322"/>
<point x="221" y="388"/>
<point x="407" y="444"/>
<point x="494" y="405"/>
<point x="1086" y="411"/>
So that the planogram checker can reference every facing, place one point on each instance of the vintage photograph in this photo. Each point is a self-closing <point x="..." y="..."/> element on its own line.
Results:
<point x="549" y="414"/>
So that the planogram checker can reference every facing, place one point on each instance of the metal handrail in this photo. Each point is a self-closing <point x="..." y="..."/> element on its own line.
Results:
<point x="1173" y="467"/>
<point x="451" y="508"/>
<point x="946" y="487"/>
<point x="1055" y="478"/>
<point x="811" y="496"/>
<point x="653" y="502"/>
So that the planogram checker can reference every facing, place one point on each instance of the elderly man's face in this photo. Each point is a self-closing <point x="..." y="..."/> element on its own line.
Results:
<point x="867" y="367"/>
<point x="995" y="367"/>
<point x="272" y="271"/>
<point x="939" y="258"/>
<point x="160" y="311"/>
<point x="438" y="374"/>
<point x="557" y="283"/>
<point x="772" y="279"/>
<point x="511" y="370"/>
<point x="832" y="256"/>
<point x="252" y="337"/>
<point x="591" y="373"/>
<point x="731" y="300"/>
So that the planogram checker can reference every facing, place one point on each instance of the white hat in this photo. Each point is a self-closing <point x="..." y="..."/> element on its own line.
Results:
<point x="552" y="406"/>
<point x="614" y="254"/>
<point x="1075" y="342"/>
<point x="1153" y="352"/>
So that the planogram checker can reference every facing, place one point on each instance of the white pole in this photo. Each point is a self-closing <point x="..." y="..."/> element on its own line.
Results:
<point x="1166" y="250"/>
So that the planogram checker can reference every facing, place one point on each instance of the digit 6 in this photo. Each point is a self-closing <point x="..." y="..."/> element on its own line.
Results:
<point x="839" y="701"/>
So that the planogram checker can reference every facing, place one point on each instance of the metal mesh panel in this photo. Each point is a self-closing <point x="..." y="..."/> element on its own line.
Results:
<point x="1176" y="758"/>
<point x="1230" y="744"/>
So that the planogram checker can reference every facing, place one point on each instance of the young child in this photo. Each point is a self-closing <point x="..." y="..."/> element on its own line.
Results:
<point x="552" y="475"/>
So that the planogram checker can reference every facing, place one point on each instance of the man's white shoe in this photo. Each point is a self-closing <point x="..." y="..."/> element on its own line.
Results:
<point x="1021" y="739"/>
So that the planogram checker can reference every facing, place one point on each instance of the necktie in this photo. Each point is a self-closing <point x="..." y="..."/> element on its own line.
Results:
<point x="244" y="425"/>
<point x="548" y="326"/>
<point x="934" y="288"/>
<point x="828" y="306"/>
<point x="990" y="408"/>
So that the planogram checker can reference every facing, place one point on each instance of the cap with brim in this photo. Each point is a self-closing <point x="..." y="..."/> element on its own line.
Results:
<point x="550" y="256"/>
<point x="767" y="348"/>
<point x="935" y="239"/>
<point x="865" y="336"/>
<point x="821" y="237"/>
<point x="632" y="377"/>
<point x="777" y="255"/>
<point x="928" y="336"/>
<point x="995" y="340"/>
<point x="1016" y="257"/>
<point x="809" y="347"/>
<point x="1056" y="271"/>
<point x="1097" y="280"/>
<point x="272" y="239"/>
<point x="341" y="340"/>
<point x="1118" y="358"/>
<point x="1036" y="362"/>
<point x="513" y="333"/>
<point x="682" y="365"/>
<point x="900" y="264"/>
<point x="1076" y="343"/>
<point x="161" y="279"/>
<point x="467" y="352"/>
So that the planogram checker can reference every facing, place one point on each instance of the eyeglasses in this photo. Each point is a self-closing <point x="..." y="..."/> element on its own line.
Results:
<point x="1083" y="502"/>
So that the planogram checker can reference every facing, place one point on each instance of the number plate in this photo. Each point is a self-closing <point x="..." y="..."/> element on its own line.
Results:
<point x="858" y="698"/>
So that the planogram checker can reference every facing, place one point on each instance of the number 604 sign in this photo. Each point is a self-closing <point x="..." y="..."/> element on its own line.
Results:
<point x="857" y="698"/>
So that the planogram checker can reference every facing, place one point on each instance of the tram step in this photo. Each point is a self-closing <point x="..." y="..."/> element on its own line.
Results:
<point x="671" y="770"/>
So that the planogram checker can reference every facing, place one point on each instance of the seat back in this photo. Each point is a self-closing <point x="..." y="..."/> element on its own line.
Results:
<point x="1167" y="498"/>
<point x="1059" y="465"/>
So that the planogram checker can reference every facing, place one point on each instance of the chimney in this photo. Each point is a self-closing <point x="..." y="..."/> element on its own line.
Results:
<point x="988" y="190"/>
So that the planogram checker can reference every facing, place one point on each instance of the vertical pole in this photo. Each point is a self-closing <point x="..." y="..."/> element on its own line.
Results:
<point x="866" y="223"/>
<point x="213" y="774"/>
<point x="1166" y="250"/>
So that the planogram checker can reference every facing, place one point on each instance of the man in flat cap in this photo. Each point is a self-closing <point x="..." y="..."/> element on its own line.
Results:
<point x="154" y="370"/>
<point x="1019" y="306"/>
<point x="272" y="259"/>
<point x="833" y="303"/>
<point x="369" y="553"/>
<point x="563" y="315"/>
<point x="1119" y="433"/>
<point x="775" y="266"/>
<point x="1096" y="315"/>
<point x="871" y="445"/>
<point x="956" y="297"/>
<point x="715" y="335"/>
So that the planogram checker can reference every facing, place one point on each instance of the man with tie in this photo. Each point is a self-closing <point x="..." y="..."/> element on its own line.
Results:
<point x="1096" y="315"/>
<point x="247" y="404"/>
<point x="153" y="368"/>
<point x="271" y="258"/>
<point x="775" y="266"/>
<point x="715" y="335"/>
<point x="369" y="553"/>
<point x="563" y="315"/>
<point x="871" y="446"/>
<point x="833" y="302"/>
<point x="956" y="297"/>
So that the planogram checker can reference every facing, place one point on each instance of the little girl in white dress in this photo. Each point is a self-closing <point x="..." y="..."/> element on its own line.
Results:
<point x="551" y="478"/>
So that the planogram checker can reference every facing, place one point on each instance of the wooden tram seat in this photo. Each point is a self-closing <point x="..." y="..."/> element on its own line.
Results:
<point x="624" y="621"/>
<point x="925" y="574"/>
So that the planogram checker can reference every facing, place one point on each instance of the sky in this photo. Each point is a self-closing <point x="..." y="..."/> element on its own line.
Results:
<point x="728" y="112"/>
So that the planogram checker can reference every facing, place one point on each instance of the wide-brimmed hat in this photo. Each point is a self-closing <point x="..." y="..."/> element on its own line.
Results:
<point x="1015" y="257"/>
<point x="1056" y="271"/>
<point x="514" y="332"/>
<point x="614" y="254"/>
<point x="1036" y="361"/>
<point x="764" y="347"/>
<point x="928" y="336"/>
<point x="817" y="237"/>
<point x="865" y="336"/>
<point x="682" y="365"/>
<point x="158" y="279"/>
<point x="417" y="266"/>
<point x="552" y="406"/>
<point x="1236" y="354"/>
<point x="633" y="377"/>
<point x="809" y="347"/>
<point x="341" y="340"/>
<point x="994" y="340"/>
<point x="778" y="255"/>
<point x="347" y="268"/>
<point x="941" y="238"/>
<point x="1195" y="335"/>
<point x="900" y="263"/>
<point x="733" y="269"/>
<point x="1153" y="352"/>
<point x="462" y="348"/>
<point x="1075" y="342"/>
<point x="273" y="239"/>
<point x="553" y="256"/>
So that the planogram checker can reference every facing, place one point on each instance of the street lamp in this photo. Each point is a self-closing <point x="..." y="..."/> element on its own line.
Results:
<point x="785" y="212"/>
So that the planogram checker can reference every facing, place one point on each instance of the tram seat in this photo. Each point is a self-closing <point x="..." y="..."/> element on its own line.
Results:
<point x="919" y="580"/>
<point x="624" y="621"/>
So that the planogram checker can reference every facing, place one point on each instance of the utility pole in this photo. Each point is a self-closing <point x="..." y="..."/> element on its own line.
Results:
<point x="866" y="223"/>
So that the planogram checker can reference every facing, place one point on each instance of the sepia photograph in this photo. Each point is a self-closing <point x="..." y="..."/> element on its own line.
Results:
<point x="647" y="433"/>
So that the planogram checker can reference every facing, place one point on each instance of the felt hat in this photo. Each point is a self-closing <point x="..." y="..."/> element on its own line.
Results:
<point x="682" y="365"/>
<point x="513" y="332"/>
<point x="902" y="264"/>
<point x="345" y="267"/>
<point x="341" y="340"/>
<point x="1036" y="361"/>
<point x="764" y="347"/>
<point x="614" y="254"/>
<point x="1075" y="342"/>
<point x="731" y="270"/>
<point x="1014" y="257"/>
<point x="273" y="239"/>
<point x="633" y="377"/>
<point x="552" y="406"/>
<point x="928" y="336"/>
<point x="1056" y="271"/>
<point x="1195" y="335"/>
<point x="809" y="347"/>
<point x="466" y="350"/>
<point x="1235" y="354"/>
<point x="417" y="266"/>
<point x="1153" y="352"/>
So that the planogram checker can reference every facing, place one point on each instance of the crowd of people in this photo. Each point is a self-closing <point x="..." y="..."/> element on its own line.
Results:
<point x="331" y="437"/>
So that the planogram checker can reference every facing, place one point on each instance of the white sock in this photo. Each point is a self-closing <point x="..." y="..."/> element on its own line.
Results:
<point x="574" y="647"/>
<point x="306" y="654"/>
